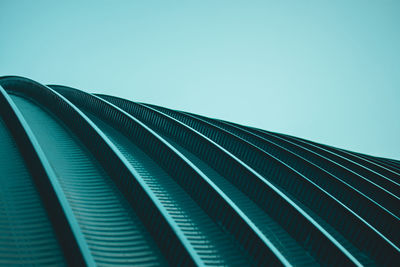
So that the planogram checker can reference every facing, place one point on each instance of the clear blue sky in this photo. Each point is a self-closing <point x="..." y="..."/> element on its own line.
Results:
<point x="328" y="71"/>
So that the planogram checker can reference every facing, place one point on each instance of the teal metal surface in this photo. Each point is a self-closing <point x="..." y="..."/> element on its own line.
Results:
<point x="53" y="199"/>
<point x="349" y="161"/>
<point x="102" y="213"/>
<point x="264" y="194"/>
<point x="366" y="239"/>
<point x="91" y="180"/>
<point x="27" y="236"/>
<point x="182" y="177"/>
<point x="384" y="193"/>
<point x="347" y="193"/>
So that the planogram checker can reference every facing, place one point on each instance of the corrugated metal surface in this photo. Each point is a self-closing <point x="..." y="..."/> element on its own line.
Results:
<point x="98" y="180"/>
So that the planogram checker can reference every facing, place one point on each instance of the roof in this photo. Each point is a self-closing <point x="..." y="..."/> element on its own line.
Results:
<point x="91" y="179"/>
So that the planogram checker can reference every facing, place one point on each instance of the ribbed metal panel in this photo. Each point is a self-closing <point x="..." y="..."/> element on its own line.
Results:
<point x="99" y="180"/>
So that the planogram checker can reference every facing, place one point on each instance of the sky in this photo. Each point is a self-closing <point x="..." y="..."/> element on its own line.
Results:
<point x="328" y="71"/>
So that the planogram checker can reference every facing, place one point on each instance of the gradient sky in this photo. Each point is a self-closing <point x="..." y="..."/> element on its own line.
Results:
<point x="328" y="71"/>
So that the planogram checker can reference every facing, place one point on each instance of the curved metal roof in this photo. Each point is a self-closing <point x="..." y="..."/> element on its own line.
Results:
<point x="92" y="179"/>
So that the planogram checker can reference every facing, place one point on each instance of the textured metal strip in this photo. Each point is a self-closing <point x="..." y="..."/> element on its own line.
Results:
<point x="389" y="183"/>
<point x="113" y="233"/>
<point x="59" y="211"/>
<point x="302" y="188"/>
<point x="349" y="194"/>
<point x="262" y="192"/>
<point x="205" y="193"/>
